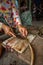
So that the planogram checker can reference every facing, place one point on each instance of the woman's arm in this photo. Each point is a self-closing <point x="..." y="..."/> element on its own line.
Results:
<point x="17" y="21"/>
<point x="7" y="29"/>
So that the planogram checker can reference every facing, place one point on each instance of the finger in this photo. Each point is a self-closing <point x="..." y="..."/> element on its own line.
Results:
<point x="25" y="32"/>
<point x="12" y="50"/>
<point x="12" y="34"/>
<point x="22" y="32"/>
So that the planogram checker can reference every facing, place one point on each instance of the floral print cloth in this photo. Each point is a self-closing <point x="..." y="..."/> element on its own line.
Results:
<point x="10" y="12"/>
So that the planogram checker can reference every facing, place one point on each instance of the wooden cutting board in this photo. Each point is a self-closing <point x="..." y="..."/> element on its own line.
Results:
<point x="18" y="44"/>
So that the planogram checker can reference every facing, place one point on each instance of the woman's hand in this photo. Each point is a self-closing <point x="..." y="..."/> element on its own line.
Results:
<point x="22" y="30"/>
<point x="8" y="30"/>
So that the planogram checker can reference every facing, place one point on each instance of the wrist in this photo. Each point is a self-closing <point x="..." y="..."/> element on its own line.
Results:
<point x="1" y="25"/>
<point x="19" y="25"/>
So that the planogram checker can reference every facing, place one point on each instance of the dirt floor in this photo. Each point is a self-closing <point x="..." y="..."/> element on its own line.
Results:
<point x="9" y="58"/>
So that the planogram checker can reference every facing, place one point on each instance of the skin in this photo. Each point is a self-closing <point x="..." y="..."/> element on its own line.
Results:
<point x="10" y="32"/>
<point x="22" y="30"/>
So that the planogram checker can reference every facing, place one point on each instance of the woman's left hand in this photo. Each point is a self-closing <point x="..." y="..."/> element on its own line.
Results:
<point x="22" y="30"/>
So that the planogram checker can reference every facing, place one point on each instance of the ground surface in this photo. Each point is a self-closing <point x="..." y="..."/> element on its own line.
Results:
<point x="11" y="58"/>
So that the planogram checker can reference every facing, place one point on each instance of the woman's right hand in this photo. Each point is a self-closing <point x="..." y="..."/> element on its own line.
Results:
<point x="8" y="30"/>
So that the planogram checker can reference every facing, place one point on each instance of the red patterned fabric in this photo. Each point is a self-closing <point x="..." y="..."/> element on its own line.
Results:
<point x="7" y="2"/>
<point x="3" y="8"/>
<point x="9" y="10"/>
